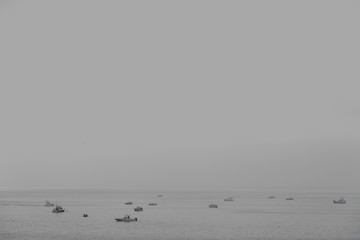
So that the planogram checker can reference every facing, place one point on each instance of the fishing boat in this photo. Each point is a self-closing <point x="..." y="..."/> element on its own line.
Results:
<point x="128" y="203"/>
<point x="152" y="204"/>
<point x="127" y="218"/>
<point x="213" y="205"/>
<point x="138" y="209"/>
<point x="340" y="201"/>
<point x="58" y="209"/>
<point x="229" y="199"/>
<point x="48" y="204"/>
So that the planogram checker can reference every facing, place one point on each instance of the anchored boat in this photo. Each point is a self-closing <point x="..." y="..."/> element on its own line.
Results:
<point x="340" y="201"/>
<point x="138" y="209"/>
<point x="48" y="204"/>
<point x="229" y="199"/>
<point x="58" y="209"/>
<point x="127" y="218"/>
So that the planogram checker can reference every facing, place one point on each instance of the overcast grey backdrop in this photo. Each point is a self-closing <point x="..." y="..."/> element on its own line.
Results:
<point x="185" y="94"/>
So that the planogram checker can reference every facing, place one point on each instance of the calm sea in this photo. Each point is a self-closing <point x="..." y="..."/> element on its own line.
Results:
<point x="180" y="215"/>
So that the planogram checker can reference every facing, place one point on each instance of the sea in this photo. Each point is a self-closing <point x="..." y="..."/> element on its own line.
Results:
<point x="180" y="214"/>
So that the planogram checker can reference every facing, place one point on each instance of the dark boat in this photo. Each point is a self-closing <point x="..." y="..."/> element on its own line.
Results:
<point x="127" y="218"/>
<point x="340" y="201"/>
<point x="138" y="209"/>
<point x="58" y="209"/>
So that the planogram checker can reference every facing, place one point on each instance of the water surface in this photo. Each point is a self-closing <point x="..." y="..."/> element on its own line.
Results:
<point x="180" y="215"/>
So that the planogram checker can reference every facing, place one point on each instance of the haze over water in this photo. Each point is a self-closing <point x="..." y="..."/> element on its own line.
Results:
<point x="179" y="94"/>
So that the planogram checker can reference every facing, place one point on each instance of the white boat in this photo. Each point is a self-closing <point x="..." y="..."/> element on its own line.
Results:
<point x="213" y="205"/>
<point x="340" y="201"/>
<point x="127" y="218"/>
<point x="229" y="199"/>
<point x="48" y="204"/>
<point x="152" y="204"/>
<point x="138" y="209"/>
<point x="58" y="209"/>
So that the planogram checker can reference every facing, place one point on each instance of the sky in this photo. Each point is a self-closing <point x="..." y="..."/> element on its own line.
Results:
<point x="179" y="94"/>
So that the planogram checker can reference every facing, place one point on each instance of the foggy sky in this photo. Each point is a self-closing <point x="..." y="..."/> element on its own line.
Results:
<point x="179" y="94"/>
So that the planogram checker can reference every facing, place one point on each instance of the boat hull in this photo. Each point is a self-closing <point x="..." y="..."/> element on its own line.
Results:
<point x="58" y="211"/>
<point x="126" y="220"/>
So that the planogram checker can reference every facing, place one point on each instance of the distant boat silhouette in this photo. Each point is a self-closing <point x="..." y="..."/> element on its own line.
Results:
<point x="138" y="209"/>
<point x="340" y="201"/>
<point x="48" y="204"/>
<point x="58" y="209"/>
<point x="127" y="218"/>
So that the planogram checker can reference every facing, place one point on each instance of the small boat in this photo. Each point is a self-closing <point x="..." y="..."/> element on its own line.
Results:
<point x="128" y="203"/>
<point x="85" y="215"/>
<point x="271" y="197"/>
<point x="58" y="209"/>
<point x="340" y="201"/>
<point x="160" y="195"/>
<point x="229" y="199"/>
<point x="138" y="209"/>
<point x="213" y="206"/>
<point x="48" y="204"/>
<point x="289" y="198"/>
<point x="152" y="204"/>
<point x="127" y="218"/>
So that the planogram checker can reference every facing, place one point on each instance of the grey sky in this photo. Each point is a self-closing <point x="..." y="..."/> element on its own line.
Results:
<point x="163" y="93"/>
